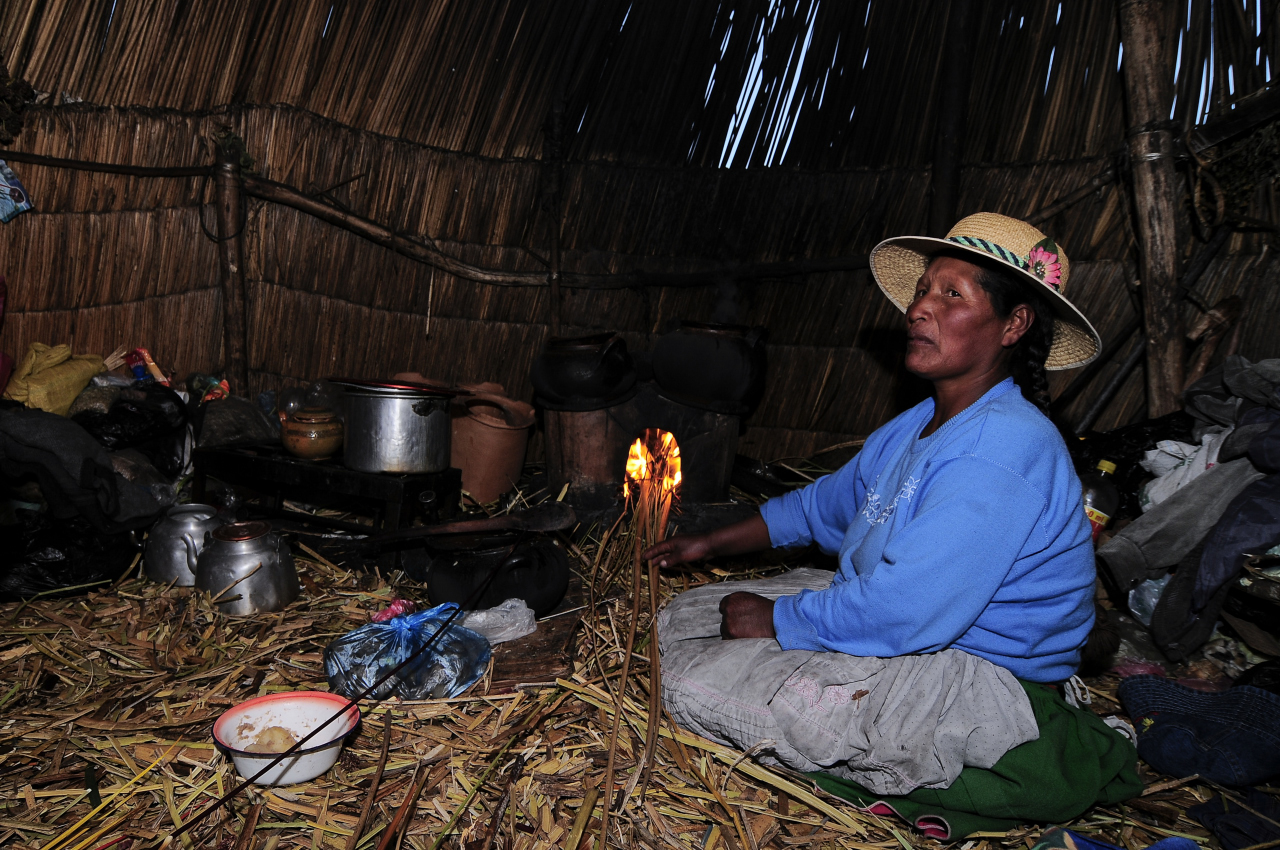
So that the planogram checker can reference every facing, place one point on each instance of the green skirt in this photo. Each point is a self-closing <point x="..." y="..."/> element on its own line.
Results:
<point x="1077" y="762"/>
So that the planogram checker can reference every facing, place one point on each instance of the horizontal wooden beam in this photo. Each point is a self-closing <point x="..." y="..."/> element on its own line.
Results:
<point x="1248" y="113"/>
<point x="418" y="249"/>
<point x="105" y="167"/>
<point x="411" y="247"/>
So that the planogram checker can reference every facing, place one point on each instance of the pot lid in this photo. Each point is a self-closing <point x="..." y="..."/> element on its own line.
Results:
<point x="193" y="510"/>
<point x="315" y="415"/>
<point x="399" y="388"/>
<point x="589" y="341"/>
<point x="716" y="327"/>
<point x="237" y="531"/>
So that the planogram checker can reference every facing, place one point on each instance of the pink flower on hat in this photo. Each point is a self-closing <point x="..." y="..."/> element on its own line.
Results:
<point x="1044" y="265"/>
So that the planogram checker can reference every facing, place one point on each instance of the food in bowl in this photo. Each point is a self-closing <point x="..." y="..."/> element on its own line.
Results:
<point x="273" y="739"/>
<point x="255" y="733"/>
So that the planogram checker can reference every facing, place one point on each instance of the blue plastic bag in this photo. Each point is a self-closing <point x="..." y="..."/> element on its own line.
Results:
<point x="453" y="663"/>
<point x="13" y="197"/>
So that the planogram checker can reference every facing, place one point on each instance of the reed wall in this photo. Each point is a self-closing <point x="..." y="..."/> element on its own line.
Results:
<point x="432" y="119"/>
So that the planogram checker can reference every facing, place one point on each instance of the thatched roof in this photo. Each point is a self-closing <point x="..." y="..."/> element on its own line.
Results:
<point x="433" y="119"/>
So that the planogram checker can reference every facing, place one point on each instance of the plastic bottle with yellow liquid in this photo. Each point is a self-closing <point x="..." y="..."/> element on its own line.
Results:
<point x="1101" y="498"/>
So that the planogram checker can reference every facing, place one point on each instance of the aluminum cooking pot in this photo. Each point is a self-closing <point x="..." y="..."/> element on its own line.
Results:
<point x="395" y="427"/>
<point x="247" y="568"/>
<point x="174" y="543"/>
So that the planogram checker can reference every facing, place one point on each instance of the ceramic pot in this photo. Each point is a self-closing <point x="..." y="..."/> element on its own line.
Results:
<point x="312" y="434"/>
<point x="248" y="569"/>
<point x="583" y="373"/>
<point x="712" y="367"/>
<point x="175" y="542"/>
<point x="490" y="434"/>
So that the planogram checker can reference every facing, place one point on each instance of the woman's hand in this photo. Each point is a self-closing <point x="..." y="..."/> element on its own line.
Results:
<point x="750" y="535"/>
<point x="681" y="549"/>
<point x="746" y="615"/>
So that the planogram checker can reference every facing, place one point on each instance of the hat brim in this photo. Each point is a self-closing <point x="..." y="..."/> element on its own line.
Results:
<point x="898" y="263"/>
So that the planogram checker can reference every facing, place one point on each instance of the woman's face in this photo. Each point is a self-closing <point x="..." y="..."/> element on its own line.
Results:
<point x="952" y="329"/>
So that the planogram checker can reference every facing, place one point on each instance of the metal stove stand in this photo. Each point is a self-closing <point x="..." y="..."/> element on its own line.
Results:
<point x="394" y="499"/>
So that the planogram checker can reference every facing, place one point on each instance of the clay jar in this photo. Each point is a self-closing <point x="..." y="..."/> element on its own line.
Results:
<point x="490" y="434"/>
<point x="584" y="372"/>
<point x="713" y="367"/>
<point x="312" y="434"/>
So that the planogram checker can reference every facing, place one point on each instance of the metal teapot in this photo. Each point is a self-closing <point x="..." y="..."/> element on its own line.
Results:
<point x="247" y="568"/>
<point x="174" y="544"/>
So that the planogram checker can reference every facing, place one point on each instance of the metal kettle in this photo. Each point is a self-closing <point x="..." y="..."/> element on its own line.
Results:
<point x="247" y="568"/>
<point x="174" y="543"/>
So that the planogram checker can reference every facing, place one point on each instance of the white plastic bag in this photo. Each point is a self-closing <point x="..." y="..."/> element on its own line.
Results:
<point x="1177" y="464"/>
<point x="508" y="621"/>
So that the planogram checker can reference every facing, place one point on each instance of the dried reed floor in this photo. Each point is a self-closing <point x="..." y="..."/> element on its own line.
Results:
<point x="110" y="697"/>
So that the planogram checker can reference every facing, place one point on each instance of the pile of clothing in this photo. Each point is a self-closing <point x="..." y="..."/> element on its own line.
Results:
<point x="1216" y="502"/>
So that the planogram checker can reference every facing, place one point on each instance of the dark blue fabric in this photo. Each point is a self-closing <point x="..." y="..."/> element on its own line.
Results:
<point x="1085" y="842"/>
<point x="1258" y="416"/>
<point x="1234" y="826"/>
<point x="1232" y="737"/>
<point x="1264" y="451"/>
<point x="1250" y="525"/>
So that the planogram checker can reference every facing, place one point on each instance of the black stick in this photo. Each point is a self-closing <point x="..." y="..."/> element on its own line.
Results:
<point x="1113" y="386"/>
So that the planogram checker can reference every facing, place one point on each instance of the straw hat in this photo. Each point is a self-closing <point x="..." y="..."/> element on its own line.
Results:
<point x="898" y="264"/>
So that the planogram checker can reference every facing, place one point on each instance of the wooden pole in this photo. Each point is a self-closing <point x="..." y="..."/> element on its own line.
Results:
<point x="231" y="219"/>
<point x="953" y="102"/>
<point x="1147" y="91"/>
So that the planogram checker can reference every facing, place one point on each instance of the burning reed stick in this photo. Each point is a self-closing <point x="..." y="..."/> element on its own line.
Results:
<point x="654" y="467"/>
<point x="606" y="786"/>
<point x="655" y="679"/>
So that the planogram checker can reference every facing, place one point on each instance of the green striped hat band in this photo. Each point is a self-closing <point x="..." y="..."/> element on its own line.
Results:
<point x="1000" y="253"/>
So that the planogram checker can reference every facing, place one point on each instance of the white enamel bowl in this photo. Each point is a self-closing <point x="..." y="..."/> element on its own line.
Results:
<point x="299" y="712"/>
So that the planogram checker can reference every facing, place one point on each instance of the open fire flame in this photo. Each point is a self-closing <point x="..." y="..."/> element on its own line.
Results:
<point x="653" y="465"/>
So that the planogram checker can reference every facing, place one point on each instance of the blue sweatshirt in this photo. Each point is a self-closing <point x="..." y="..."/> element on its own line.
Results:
<point x="974" y="537"/>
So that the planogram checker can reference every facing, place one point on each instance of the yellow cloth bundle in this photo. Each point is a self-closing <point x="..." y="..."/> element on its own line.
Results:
<point x="49" y="377"/>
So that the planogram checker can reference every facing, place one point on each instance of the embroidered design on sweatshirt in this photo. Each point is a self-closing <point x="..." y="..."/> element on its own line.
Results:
<point x="878" y="513"/>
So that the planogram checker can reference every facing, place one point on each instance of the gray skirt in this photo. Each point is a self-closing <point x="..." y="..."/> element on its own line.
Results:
<point x="889" y="724"/>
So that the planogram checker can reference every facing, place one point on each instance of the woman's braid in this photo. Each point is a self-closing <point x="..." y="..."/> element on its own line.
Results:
<point x="1029" y="357"/>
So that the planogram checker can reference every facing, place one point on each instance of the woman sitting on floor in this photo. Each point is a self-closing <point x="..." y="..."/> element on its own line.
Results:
<point x="964" y="552"/>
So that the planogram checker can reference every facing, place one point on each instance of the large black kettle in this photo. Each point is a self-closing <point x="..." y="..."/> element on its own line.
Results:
<point x="583" y="373"/>
<point x="711" y="366"/>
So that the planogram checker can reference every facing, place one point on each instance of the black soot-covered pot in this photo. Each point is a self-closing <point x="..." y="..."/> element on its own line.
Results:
<point x="710" y="366"/>
<point x="536" y="571"/>
<point x="583" y="373"/>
